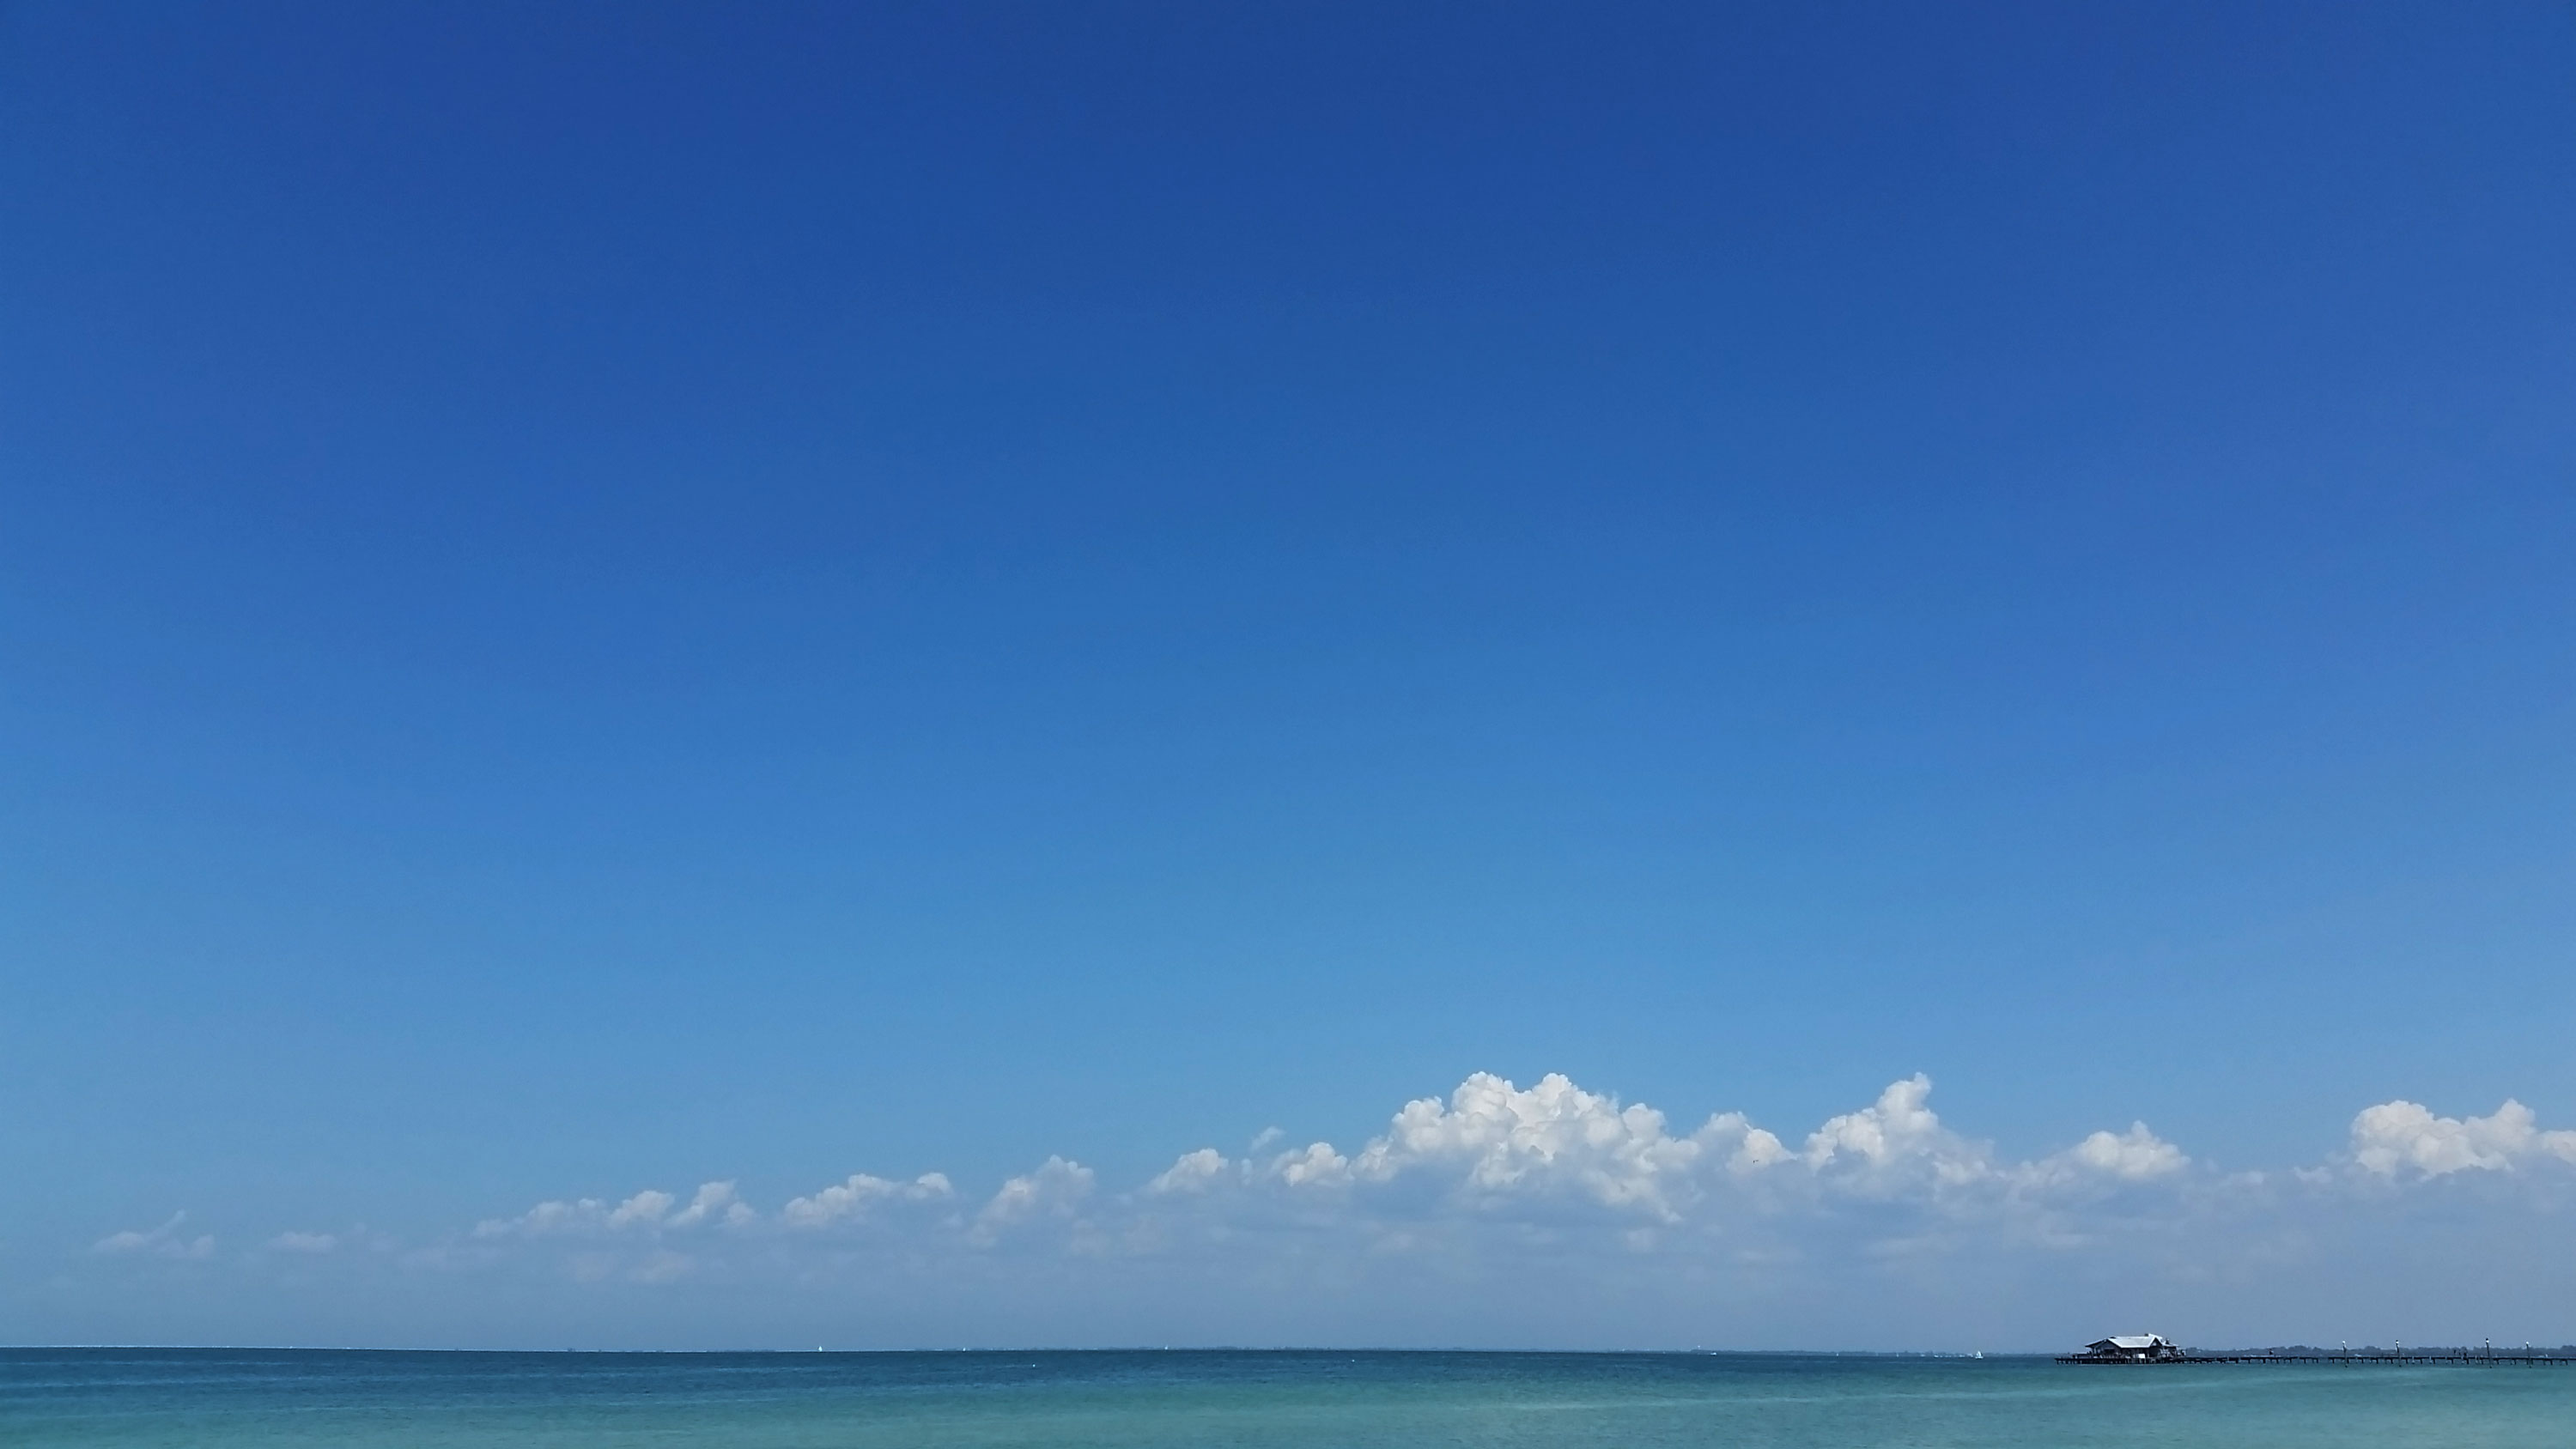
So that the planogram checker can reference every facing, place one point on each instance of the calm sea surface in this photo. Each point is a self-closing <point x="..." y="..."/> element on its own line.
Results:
<point x="211" y="1399"/>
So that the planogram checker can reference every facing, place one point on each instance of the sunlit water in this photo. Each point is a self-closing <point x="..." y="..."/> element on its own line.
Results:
<point x="1148" y="1400"/>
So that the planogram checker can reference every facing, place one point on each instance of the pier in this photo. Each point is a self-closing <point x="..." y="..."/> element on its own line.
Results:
<point x="2472" y="1357"/>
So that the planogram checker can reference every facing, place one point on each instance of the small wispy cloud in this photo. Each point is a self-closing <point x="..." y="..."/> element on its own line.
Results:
<point x="647" y="1212"/>
<point x="165" y="1241"/>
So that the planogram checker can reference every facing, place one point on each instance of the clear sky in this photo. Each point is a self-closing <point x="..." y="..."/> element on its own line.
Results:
<point x="610" y="597"/>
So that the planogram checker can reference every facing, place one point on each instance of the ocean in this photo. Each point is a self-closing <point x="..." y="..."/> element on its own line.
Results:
<point x="215" y="1399"/>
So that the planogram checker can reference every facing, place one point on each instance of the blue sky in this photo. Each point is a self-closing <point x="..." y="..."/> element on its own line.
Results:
<point x="605" y="598"/>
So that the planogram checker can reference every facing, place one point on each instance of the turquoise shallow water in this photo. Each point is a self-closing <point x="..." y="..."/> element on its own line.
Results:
<point x="211" y="1399"/>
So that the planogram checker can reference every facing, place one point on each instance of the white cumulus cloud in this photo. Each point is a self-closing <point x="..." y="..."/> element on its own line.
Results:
<point x="1497" y="1141"/>
<point x="645" y="1209"/>
<point x="715" y="1202"/>
<point x="2405" y="1137"/>
<point x="852" y="1198"/>
<point x="1055" y="1189"/>
<point x="1314" y="1165"/>
<point x="1497" y="1149"/>
<point x="1191" y="1172"/>
<point x="1897" y="1136"/>
<point x="2137" y="1155"/>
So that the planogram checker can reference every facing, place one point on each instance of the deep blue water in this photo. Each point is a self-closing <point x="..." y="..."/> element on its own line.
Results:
<point x="211" y="1399"/>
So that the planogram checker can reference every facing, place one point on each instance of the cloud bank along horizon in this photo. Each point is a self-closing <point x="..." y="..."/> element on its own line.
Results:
<point x="1498" y="1189"/>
